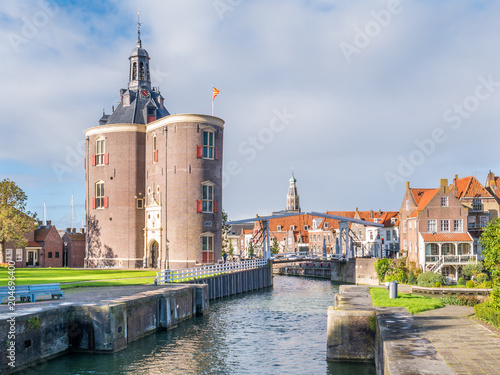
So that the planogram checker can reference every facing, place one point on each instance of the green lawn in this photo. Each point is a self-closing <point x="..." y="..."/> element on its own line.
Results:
<point x="26" y="276"/>
<point x="413" y="303"/>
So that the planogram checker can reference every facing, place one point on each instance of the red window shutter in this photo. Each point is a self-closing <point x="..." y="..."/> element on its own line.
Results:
<point x="211" y="257"/>
<point x="216" y="153"/>
<point x="93" y="160"/>
<point x="105" y="199"/>
<point x="156" y="156"/>
<point x="93" y="203"/>
<point x="106" y="158"/>
<point x="199" y="151"/>
<point x="216" y="206"/>
<point x="151" y="118"/>
<point x="199" y="206"/>
<point x="205" y="257"/>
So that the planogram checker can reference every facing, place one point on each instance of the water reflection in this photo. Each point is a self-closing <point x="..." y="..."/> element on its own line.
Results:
<point x="277" y="331"/>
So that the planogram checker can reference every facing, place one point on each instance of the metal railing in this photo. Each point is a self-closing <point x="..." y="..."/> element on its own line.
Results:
<point x="188" y="274"/>
<point x="450" y="258"/>
<point x="319" y="255"/>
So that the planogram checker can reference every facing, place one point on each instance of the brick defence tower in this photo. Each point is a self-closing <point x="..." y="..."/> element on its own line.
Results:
<point x="153" y="181"/>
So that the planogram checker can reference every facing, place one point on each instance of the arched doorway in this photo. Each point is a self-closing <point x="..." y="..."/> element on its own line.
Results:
<point x="153" y="254"/>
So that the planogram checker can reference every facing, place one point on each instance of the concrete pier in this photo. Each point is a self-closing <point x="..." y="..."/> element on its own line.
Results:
<point x="47" y="329"/>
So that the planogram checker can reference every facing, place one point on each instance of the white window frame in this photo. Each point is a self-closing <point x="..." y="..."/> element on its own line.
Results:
<point x="19" y="255"/>
<point x="326" y="225"/>
<point x="100" y="151"/>
<point x="99" y="194"/>
<point x="458" y="225"/>
<point x="444" y="225"/>
<point x="445" y="202"/>
<point x="278" y="228"/>
<point x="404" y="244"/>
<point x="477" y="204"/>
<point x="404" y="226"/>
<point x="431" y="225"/>
<point x="208" y="144"/>
<point x="207" y="197"/>
<point x="8" y="255"/>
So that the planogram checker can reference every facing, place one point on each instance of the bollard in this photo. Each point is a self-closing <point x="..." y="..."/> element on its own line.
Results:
<point x="393" y="289"/>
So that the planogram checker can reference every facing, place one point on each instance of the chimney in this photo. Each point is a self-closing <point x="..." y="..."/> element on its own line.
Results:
<point x="82" y="230"/>
<point x="444" y="185"/>
<point x="68" y="230"/>
<point x="490" y="181"/>
<point x="455" y="186"/>
<point x="73" y="230"/>
<point x="407" y="184"/>
<point x="49" y="223"/>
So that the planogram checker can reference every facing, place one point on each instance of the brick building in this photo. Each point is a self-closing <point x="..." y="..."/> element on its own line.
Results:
<point x="440" y="228"/>
<point x="153" y="181"/>
<point x="73" y="248"/>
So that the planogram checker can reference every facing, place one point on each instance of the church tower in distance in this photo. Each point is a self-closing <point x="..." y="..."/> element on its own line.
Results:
<point x="292" y="198"/>
<point x="153" y="181"/>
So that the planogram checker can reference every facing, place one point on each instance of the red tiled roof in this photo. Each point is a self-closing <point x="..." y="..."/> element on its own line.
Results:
<point x="423" y="197"/>
<point x="33" y="244"/>
<point x="446" y="237"/>
<point x="470" y="187"/>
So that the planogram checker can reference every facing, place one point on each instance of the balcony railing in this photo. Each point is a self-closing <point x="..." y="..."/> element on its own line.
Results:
<point x="450" y="258"/>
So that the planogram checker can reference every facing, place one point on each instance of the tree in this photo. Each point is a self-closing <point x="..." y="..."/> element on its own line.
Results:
<point x="250" y="250"/>
<point x="472" y="268"/>
<point x="225" y="231"/>
<point x="275" y="247"/>
<point x="382" y="266"/>
<point x="15" y="220"/>
<point x="490" y="239"/>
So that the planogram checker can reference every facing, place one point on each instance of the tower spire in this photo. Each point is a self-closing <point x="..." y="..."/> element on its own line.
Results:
<point x="139" y="42"/>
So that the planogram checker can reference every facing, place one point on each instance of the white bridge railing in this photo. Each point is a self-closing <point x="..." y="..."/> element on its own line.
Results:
<point x="188" y="274"/>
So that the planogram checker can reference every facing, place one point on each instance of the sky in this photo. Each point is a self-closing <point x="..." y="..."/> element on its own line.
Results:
<point x="357" y="97"/>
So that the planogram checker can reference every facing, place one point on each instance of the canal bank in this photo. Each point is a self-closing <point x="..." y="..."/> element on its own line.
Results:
<point x="279" y="330"/>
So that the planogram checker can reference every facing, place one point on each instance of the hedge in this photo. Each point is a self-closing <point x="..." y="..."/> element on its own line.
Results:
<point x="487" y="313"/>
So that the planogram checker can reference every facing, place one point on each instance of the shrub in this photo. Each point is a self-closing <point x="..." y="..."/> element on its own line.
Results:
<point x="461" y="300"/>
<point x="438" y="284"/>
<point x="472" y="268"/>
<point x="412" y="279"/>
<point x="4" y="265"/>
<point x="390" y="277"/>
<point x="495" y="298"/>
<point x="486" y="285"/>
<point x="461" y="281"/>
<point x="481" y="278"/>
<point x="487" y="312"/>
<point x="429" y="279"/>
<point x="470" y="284"/>
<point x="381" y="267"/>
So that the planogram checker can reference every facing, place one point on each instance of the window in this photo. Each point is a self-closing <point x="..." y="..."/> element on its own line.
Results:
<point x="100" y="201"/>
<point x="444" y="201"/>
<point x="207" y="198"/>
<point x="404" y="226"/>
<point x="395" y="235"/>
<point x="279" y="228"/>
<point x="404" y="244"/>
<point x="155" y="150"/>
<point x="140" y="203"/>
<point x="472" y="221"/>
<point x="19" y="255"/>
<point x="208" y="145"/>
<point x="388" y="235"/>
<point x="292" y="227"/>
<point x="434" y="249"/>
<point x="371" y="236"/>
<point x="8" y="255"/>
<point x="407" y="205"/>
<point x="458" y="225"/>
<point x="57" y="254"/>
<point x="306" y="227"/>
<point x="101" y="158"/>
<point x="326" y="225"/>
<point x="207" y="248"/>
<point x="483" y="221"/>
<point x="445" y="225"/>
<point x="431" y="226"/>
<point x="50" y="254"/>
<point x="477" y="204"/>
<point x="410" y="247"/>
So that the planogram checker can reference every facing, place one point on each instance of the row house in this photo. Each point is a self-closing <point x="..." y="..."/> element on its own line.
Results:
<point x="440" y="228"/>
<point x="45" y="248"/>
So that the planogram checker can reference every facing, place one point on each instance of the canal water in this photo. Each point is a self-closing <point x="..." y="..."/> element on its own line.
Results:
<point x="281" y="330"/>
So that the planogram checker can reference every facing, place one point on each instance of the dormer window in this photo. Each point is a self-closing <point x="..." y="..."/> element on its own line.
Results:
<point x="151" y="114"/>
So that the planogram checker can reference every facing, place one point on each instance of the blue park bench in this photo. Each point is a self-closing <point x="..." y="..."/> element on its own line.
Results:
<point x="30" y="292"/>
<point x="21" y="291"/>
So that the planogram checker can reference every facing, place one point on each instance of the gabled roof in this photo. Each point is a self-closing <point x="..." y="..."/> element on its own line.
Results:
<point x="423" y="197"/>
<point x="446" y="237"/>
<point x="33" y="244"/>
<point x="469" y="187"/>
<point x="42" y="232"/>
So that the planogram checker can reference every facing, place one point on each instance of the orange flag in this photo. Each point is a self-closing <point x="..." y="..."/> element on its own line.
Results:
<point x="216" y="92"/>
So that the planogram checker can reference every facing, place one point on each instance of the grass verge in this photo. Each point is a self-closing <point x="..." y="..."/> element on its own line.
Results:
<point x="141" y="281"/>
<point x="413" y="303"/>
<point x="25" y="276"/>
